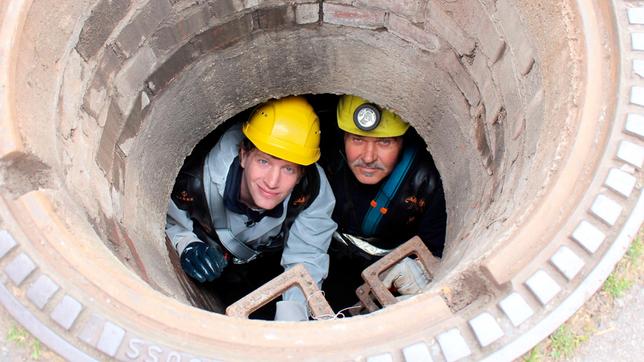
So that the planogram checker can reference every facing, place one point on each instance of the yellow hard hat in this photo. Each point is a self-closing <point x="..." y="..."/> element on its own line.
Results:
<point x="286" y="128"/>
<point x="356" y="115"/>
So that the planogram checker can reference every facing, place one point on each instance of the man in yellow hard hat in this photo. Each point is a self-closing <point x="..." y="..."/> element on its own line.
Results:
<point x="388" y="190"/>
<point x="255" y="201"/>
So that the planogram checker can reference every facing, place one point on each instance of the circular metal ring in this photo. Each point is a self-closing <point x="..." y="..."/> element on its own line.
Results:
<point x="366" y="117"/>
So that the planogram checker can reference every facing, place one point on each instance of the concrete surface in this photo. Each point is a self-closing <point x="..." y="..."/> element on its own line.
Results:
<point x="622" y="336"/>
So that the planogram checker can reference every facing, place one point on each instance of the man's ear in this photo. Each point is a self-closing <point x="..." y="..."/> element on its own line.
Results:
<point x="243" y="155"/>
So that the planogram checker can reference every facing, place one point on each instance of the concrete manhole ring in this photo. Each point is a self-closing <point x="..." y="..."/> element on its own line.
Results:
<point x="533" y="113"/>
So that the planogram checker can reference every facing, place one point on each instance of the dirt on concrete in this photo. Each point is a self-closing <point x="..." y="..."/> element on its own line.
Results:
<point x="620" y="334"/>
<point x="610" y="325"/>
<point x="16" y="344"/>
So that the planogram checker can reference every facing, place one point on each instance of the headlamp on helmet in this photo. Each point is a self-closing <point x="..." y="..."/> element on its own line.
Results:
<point x="366" y="117"/>
<point x="359" y="116"/>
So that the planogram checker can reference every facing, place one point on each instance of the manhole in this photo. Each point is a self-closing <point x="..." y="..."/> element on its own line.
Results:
<point x="531" y="111"/>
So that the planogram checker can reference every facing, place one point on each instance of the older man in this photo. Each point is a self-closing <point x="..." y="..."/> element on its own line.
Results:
<point x="387" y="190"/>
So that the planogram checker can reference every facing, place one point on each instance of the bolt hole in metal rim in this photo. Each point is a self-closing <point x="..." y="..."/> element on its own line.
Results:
<point x="532" y="112"/>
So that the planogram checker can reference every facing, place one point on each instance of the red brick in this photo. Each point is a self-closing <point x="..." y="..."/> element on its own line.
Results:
<point x="412" y="9"/>
<point x="223" y="8"/>
<point x="506" y="78"/>
<point x="515" y="35"/>
<point x="461" y="77"/>
<point x="474" y="19"/>
<point x="342" y="2"/>
<point x="94" y="98"/>
<point x="131" y="126"/>
<point x="174" y="64"/>
<point x="131" y="78"/>
<point x="497" y="140"/>
<point x="482" y="142"/>
<point x="307" y="13"/>
<point x="249" y="4"/>
<point x="142" y="25"/>
<point x="223" y="35"/>
<point x="100" y="24"/>
<point x="190" y="22"/>
<point x="350" y="16"/>
<point x="109" y="65"/>
<point x="272" y="18"/>
<point x="408" y="31"/>
<point x="118" y="171"/>
<point x="443" y="25"/>
<point x="482" y="76"/>
<point x="491" y="42"/>
<point x="111" y="131"/>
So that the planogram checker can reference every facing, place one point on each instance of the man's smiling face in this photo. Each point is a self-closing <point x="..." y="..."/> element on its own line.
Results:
<point x="266" y="180"/>
<point x="371" y="159"/>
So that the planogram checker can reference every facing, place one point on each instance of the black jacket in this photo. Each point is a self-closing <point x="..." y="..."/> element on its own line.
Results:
<point x="418" y="208"/>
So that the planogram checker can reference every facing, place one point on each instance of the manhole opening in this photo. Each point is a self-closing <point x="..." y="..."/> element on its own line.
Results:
<point x="340" y="287"/>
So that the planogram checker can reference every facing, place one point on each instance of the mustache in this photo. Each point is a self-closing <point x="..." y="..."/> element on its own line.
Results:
<point x="375" y="164"/>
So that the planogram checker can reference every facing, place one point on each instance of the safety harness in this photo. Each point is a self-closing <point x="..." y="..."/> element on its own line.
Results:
<point x="379" y="205"/>
<point x="189" y="195"/>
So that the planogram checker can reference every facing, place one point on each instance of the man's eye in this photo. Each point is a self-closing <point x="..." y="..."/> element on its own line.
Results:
<point x="356" y="140"/>
<point x="262" y="161"/>
<point x="289" y="170"/>
<point x="385" y="142"/>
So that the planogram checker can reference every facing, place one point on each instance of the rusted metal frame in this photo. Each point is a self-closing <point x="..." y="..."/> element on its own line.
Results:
<point x="366" y="298"/>
<point x="296" y="276"/>
<point x="373" y="284"/>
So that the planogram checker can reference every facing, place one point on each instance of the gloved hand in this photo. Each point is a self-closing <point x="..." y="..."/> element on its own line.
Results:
<point x="407" y="277"/>
<point x="202" y="262"/>
<point x="293" y="311"/>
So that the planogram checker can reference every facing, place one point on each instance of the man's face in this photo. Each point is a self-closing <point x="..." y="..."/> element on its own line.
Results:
<point x="371" y="159"/>
<point x="266" y="180"/>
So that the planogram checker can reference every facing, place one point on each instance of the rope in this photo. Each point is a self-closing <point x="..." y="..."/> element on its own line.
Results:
<point x="338" y="315"/>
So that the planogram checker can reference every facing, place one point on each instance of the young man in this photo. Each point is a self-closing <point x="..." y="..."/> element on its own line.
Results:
<point x="387" y="190"/>
<point x="256" y="194"/>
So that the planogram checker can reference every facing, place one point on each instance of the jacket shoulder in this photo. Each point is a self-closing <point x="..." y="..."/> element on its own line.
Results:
<point x="424" y="175"/>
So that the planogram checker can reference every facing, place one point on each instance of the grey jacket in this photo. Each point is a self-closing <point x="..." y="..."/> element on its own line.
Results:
<point x="309" y="236"/>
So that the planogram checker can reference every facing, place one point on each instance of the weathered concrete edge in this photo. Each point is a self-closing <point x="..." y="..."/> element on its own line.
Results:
<point x="580" y="295"/>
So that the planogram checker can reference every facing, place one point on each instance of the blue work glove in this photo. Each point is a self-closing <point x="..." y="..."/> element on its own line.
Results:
<point x="202" y="262"/>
